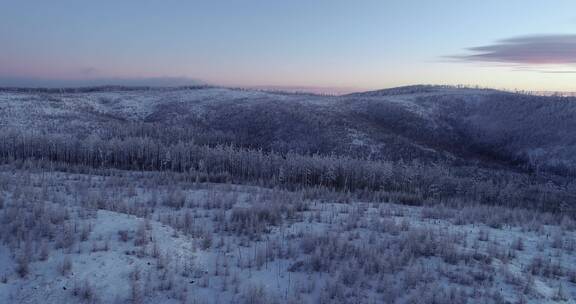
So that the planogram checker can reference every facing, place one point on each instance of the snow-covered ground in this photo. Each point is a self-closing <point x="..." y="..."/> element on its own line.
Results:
<point x="144" y="238"/>
<point x="28" y="109"/>
<point x="102" y="261"/>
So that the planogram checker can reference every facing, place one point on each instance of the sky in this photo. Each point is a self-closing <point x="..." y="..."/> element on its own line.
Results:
<point x="335" y="45"/>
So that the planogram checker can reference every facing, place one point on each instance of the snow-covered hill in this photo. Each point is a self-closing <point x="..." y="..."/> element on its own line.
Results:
<point x="424" y="123"/>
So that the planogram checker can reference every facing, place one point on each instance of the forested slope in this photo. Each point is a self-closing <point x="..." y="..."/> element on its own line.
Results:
<point x="428" y="143"/>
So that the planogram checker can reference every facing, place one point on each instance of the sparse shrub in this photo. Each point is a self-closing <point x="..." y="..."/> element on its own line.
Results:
<point x="85" y="232"/>
<point x="518" y="244"/>
<point x="206" y="241"/>
<point x="65" y="266"/>
<point x="105" y="100"/>
<point x="572" y="276"/>
<point x="255" y="295"/>
<point x="44" y="250"/>
<point x="84" y="291"/>
<point x="163" y="261"/>
<point x="253" y="221"/>
<point x="557" y="240"/>
<point x="349" y="276"/>
<point x="123" y="235"/>
<point x="437" y="212"/>
<point x="175" y="199"/>
<point x="135" y="287"/>
<point x="568" y="224"/>
<point x="166" y="280"/>
<point x="483" y="235"/>
<point x="390" y="226"/>
<point x="65" y="238"/>
<point x="23" y="268"/>
<point x="141" y="237"/>
<point x="308" y="244"/>
<point x="544" y="267"/>
<point x="560" y="294"/>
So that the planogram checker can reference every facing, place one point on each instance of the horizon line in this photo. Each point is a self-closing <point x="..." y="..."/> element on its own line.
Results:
<point x="314" y="90"/>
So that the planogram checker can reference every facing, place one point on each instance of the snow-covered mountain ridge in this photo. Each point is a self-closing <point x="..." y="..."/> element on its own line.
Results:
<point x="424" y="123"/>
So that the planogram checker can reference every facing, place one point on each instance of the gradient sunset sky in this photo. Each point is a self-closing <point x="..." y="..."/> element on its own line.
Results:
<point x="336" y="44"/>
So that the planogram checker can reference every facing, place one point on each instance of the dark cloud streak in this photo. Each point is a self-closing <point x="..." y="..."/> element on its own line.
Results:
<point x="526" y="50"/>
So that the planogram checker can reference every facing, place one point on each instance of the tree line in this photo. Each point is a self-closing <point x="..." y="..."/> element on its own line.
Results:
<point x="418" y="182"/>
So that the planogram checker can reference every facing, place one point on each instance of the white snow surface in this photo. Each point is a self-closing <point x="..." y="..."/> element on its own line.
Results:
<point x="108" y="271"/>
